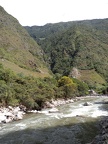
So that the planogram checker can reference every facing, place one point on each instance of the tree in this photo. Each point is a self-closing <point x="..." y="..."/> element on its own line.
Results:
<point x="64" y="81"/>
<point x="68" y="86"/>
<point x="82" y="87"/>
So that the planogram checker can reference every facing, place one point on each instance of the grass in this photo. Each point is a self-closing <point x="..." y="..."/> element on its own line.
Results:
<point x="18" y="70"/>
<point x="92" y="77"/>
<point x="18" y="51"/>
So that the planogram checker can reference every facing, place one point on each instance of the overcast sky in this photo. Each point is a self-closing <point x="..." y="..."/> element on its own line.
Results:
<point x="40" y="12"/>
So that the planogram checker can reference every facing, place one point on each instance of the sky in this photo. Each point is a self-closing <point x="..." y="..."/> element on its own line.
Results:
<point x="40" y="12"/>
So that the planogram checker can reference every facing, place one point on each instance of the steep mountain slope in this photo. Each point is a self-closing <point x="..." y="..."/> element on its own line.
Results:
<point x="18" y="48"/>
<point x="81" y="44"/>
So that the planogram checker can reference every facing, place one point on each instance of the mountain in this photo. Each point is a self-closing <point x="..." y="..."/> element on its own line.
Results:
<point x="77" y="49"/>
<point x="81" y="44"/>
<point x="41" y="32"/>
<point x="18" y="51"/>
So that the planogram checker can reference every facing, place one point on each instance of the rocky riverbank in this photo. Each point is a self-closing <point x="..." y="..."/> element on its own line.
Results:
<point x="54" y="103"/>
<point x="9" y="114"/>
<point x="81" y="111"/>
<point x="102" y="138"/>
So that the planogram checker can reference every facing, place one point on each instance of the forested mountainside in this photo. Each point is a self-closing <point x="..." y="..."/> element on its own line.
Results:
<point x="81" y="44"/>
<point x="24" y="76"/>
<point x="38" y="32"/>
<point x="18" y="51"/>
<point x="70" y="50"/>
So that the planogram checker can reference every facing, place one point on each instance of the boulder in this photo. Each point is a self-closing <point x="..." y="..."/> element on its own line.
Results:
<point x="7" y="119"/>
<point x="23" y="108"/>
<point x="18" y="116"/>
<point x="87" y="104"/>
<point x="2" y="118"/>
<point x="48" y="105"/>
<point x="10" y="113"/>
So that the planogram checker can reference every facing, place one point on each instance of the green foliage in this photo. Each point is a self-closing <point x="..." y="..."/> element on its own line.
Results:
<point x="17" y="47"/>
<point x="104" y="90"/>
<point x="29" y="102"/>
<point x="64" y="81"/>
<point x="67" y="86"/>
<point x="92" y="78"/>
<point x="33" y="92"/>
<point x="82" y="87"/>
<point x="80" y="44"/>
<point x="29" y="91"/>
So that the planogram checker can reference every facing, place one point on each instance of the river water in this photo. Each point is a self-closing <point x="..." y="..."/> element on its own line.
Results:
<point x="73" y="124"/>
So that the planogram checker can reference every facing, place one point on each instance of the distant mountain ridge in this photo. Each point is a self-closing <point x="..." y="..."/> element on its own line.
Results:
<point x="50" y="29"/>
<point x="18" y="48"/>
<point x="81" y="44"/>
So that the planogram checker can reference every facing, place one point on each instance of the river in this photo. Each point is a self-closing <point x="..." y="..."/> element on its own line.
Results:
<point x="73" y="124"/>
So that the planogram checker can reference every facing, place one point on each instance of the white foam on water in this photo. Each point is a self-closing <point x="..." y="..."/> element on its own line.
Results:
<point x="57" y="115"/>
<point x="87" y="111"/>
<point x="21" y="125"/>
<point x="80" y="110"/>
<point x="96" y="113"/>
<point x="48" y="119"/>
<point x="44" y="111"/>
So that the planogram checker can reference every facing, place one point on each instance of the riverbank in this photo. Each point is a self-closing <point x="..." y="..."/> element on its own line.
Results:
<point x="9" y="114"/>
<point x="72" y="120"/>
<point x="102" y="137"/>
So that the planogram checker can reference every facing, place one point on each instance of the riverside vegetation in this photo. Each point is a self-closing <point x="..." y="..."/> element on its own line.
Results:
<point x="27" y="78"/>
<point x="69" y="59"/>
<point x="16" y="89"/>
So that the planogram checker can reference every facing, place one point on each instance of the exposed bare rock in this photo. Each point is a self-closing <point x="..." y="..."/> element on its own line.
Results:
<point x="10" y="113"/>
<point x="54" y="103"/>
<point x="75" y="73"/>
<point x="92" y="92"/>
<point x="87" y="104"/>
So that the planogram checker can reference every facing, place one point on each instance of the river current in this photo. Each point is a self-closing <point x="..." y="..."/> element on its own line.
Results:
<point x="72" y="124"/>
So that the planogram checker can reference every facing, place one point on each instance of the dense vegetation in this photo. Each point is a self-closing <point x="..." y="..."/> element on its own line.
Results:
<point x="33" y="92"/>
<point x="76" y="52"/>
<point x="81" y="44"/>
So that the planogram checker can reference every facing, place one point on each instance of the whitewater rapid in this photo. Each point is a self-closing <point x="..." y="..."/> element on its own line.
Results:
<point x="46" y="128"/>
